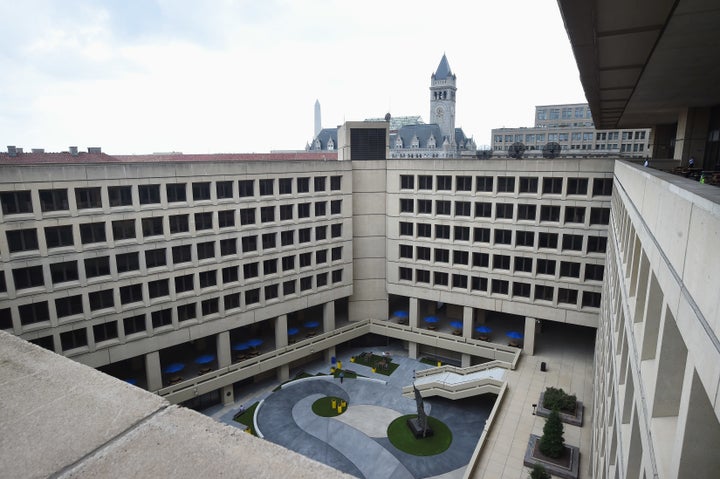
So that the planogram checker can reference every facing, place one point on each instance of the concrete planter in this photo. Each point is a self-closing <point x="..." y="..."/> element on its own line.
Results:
<point x="568" y="468"/>
<point x="574" y="420"/>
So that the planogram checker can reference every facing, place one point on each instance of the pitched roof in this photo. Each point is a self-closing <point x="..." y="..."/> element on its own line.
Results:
<point x="423" y="133"/>
<point x="443" y="69"/>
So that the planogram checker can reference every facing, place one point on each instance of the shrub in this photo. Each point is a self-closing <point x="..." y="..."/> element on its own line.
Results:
<point x="552" y="443"/>
<point x="555" y="398"/>
<point x="539" y="472"/>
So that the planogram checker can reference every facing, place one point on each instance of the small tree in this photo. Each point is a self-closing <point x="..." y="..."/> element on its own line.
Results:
<point x="555" y="398"/>
<point x="539" y="472"/>
<point x="552" y="443"/>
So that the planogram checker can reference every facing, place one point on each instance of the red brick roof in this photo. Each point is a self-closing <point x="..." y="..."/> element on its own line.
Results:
<point x="82" y="157"/>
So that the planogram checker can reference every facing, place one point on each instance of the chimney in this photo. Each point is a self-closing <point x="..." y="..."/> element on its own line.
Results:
<point x="94" y="149"/>
<point x="73" y="150"/>
<point x="12" y="152"/>
<point x="38" y="150"/>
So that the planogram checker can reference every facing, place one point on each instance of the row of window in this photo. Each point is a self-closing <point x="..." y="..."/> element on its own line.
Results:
<point x="500" y="236"/>
<point x="499" y="286"/>
<point x="565" y="112"/>
<point x="516" y="264"/>
<point x="73" y="305"/>
<point x="506" y="184"/>
<point x="90" y="233"/>
<point x="568" y="136"/>
<point x="17" y="202"/>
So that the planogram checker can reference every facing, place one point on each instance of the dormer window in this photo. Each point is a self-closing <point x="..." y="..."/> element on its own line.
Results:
<point x="398" y="142"/>
<point x="330" y="144"/>
<point x="431" y="142"/>
<point x="316" y="144"/>
<point x="415" y="142"/>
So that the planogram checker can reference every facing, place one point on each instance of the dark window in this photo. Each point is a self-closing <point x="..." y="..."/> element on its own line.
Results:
<point x="155" y="258"/>
<point x="523" y="264"/>
<point x="29" y="277"/>
<point x="320" y="233"/>
<point x="267" y="214"/>
<point x="186" y="312"/>
<point x="230" y="274"/>
<point x="406" y="205"/>
<point x="406" y="251"/>
<point x="544" y="293"/>
<point x="406" y="229"/>
<point x="305" y="260"/>
<point x="442" y="231"/>
<point x="552" y="186"/>
<point x="572" y="242"/>
<point x="250" y="270"/>
<point x="158" y="288"/>
<point x="546" y="266"/>
<point x="336" y="230"/>
<point x="152" y="226"/>
<point x="184" y="283"/>
<point x="577" y="186"/>
<point x="319" y="183"/>
<point x="481" y="260"/>
<point x="463" y="183"/>
<point x="407" y="182"/>
<point x="594" y="272"/>
<point x="161" y="318"/>
<point x="286" y="212"/>
<point x="569" y="269"/>
<point x="335" y="207"/>
<point x="34" y="313"/>
<point x="574" y="214"/>
<point x="63" y="272"/>
<point x="321" y="256"/>
<point x="208" y="278"/>
<point x="483" y="210"/>
<point x="462" y="208"/>
<point x="249" y="243"/>
<point x="336" y="276"/>
<point x="124" y="262"/>
<point x="267" y="187"/>
<point x="201" y="191"/>
<point x="459" y="281"/>
<point x="442" y="207"/>
<point x="499" y="286"/>
<point x="424" y="206"/>
<point x="120" y="195"/>
<point x="461" y="233"/>
<point x="101" y="299"/>
<point x="336" y="253"/>
<point x="285" y="186"/>
<point x="226" y="218"/>
<point x="269" y="240"/>
<point x="602" y="186"/>
<point x="506" y="184"/>
<point x="503" y="236"/>
<point x="305" y="283"/>
<point x="53" y="200"/>
<point x="134" y="324"/>
<point x="304" y="210"/>
<point x="528" y="184"/>
<point x="245" y="188"/>
<point x="181" y="254"/>
<point x="521" y="289"/>
<point x="224" y="189"/>
<point x="69" y="306"/>
<point x="460" y="257"/>
<point x="271" y="290"/>
<point x="425" y="182"/>
<point x="22" y="240"/>
<point x="131" y="294"/>
<point x="548" y="240"/>
<point x="590" y="299"/>
<point x="3" y="285"/>
<point x="599" y="216"/>
<point x="303" y="185"/>
<point x="501" y="261"/>
<point x="320" y="208"/>
<point x="73" y="339"/>
<point x="525" y="238"/>
<point x="123" y="229"/>
<point x="442" y="255"/>
<point x="179" y="224"/>
<point x="206" y="250"/>
<point x="484" y="183"/>
<point x="287" y="238"/>
<point x="149" y="194"/>
<point x="16" y="202"/>
<point x="270" y="266"/>
<point x="478" y="284"/>
<point x="596" y="244"/>
<point x="481" y="235"/>
<point x="335" y="183"/>
<point x="176" y="192"/>
<point x="504" y="211"/>
<point x="304" y="235"/>
<point x="405" y="274"/>
<point x="203" y="221"/>
<point x="86" y="198"/>
<point x="440" y="279"/>
<point x="444" y="183"/>
<point x="289" y="287"/>
<point x="527" y="212"/>
<point x="422" y="276"/>
<point x="231" y="301"/>
<point x="101" y="266"/>
<point x="422" y="253"/>
<point x="568" y="296"/>
<point x="247" y="216"/>
<point x="549" y="213"/>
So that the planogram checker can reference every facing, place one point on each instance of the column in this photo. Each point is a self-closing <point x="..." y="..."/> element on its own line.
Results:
<point x="467" y="322"/>
<point x="283" y="373"/>
<point x="413" y="313"/>
<point x="152" y="371"/>
<point x="328" y="316"/>
<point x="412" y="350"/>
<point x="281" y="331"/>
<point x="465" y="360"/>
<point x="529" y="336"/>
<point x="691" y="136"/>
<point x="328" y="355"/>
<point x="222" y="345"/>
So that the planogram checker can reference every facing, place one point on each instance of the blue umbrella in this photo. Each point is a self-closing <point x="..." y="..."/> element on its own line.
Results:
<point x="174" y="368"/>
<point x="456" y="324"/>
<point x="205" y="359"/>
<point x="431" y="319"/>
<point x="400" y="314"/>
<point x="514" y="335"/>
<point x="241" y="347"/>
<point x="254" y="343"/>
<point x="312" y="324"/>
<point x="293" y="331"/>
<point x="483" y="329"/>
<point x="132" y="381"/>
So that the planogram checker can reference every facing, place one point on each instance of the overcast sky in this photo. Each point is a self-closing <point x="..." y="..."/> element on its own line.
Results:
<point x="195" y="76"/>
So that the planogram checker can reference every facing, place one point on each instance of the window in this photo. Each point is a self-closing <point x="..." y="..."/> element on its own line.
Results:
<point x="406" y="251"/>
<point x="246" y="188"/>
<point x="34" y="313"/>
<point x="73" y="339"/>
<point x="206" y="250"/>
<point x="444" y="183"/>
<point x="442" y="231"/>
<point x="161" y="318"/>
<point x="319" y="183"/>
<point x="460" y="257"/>
<point x="303" y="185"/>
<point x="289" y="287"/>
<point x="249" y="243"/>
<point x="481" y="235"/>
<point x="406" y="229"/>
<point x="572" y="242"/>
<point x="123" y="229"/>
<point x="267" y="214"/>
<point x="422" y="276"/>
<point x="270" y="266"/>
<point x="461" y="233"/>
<point x="230" y="274"/>
<point x="484" y="183"/>
<point x="29" y="277"/>
<point x="462" y="208"/>
<point x="304" y="210"/>
<point x="567" y="296"/>
<point x="271" y="290"/>
<point x="208" y="279"/>
<point x="527" y="212"/>
<point x="546" y="266"/>
<point x="226" y="219"/>
<point x="203" y="221"/>
<point x="550" y="213"/>
<point x="478" y="284"/>
<point x="320" y="208"/>
<point x="131" y="294"/>
<point x="463" y="183"/>
<point x="64" y="272"/>
<point x="425" y="182"/>
<point x="155" y="258"/>
<point x="406" y="205"/>
<point x="149" y="194"/>
<point x="304" y="235"/>
<point x="501" y="261"/>
<point x="186" y="312"/>
<point x="179" y="224"/>
<point x="574" y="214"/>
<point x="422" y="253"/>
<point x="181" y="254"/>
<point x="552" y="186"/>
<point x="544" y="293"/>
<point x="184" y="283"/>
<point x="53" y="200"/>
<point x="405" y="274"/>
<point x="3" y="285"/>
<point x="480" y="260"/>
<point x="503" y="236"/>
<point x="101" y="299"/>
<point x="599" y="216"/>
<point x="321" y="256"/>
<point x="336" y="276"/>
<point x="590" y="299"/>
<point x="577" y="186"/>
<point x="124" y="262"/>
<point x="504" y="210"/>
<point x="231" y="301"/>
<point x="288" y="262"/>
<point x="224" y="190"/>
<point x="269" y="240"/>
<point x="286" y="212"/>
<point x="523" y="264"/>
<point x="336" y="253"/>
<point x="134" y="324"/>
<point x="305" y="260"/>
<point x="521" y="289"/>
<point x="483" y="210"/>
<point x="152" y="226"/>
<point x="596" y="244"/>
<point x="287" y="238"/>
<point x="336" y="230"/>
<point x="69" y="306"/>
<point x="525" y="238"/>
<point x="442" y="255"/>
<point x="442" y="207"/>
<point x="424" y="206"/>
<point x="440" y="279"/>
<point x="569" y="269"/>
<point x="16" y="202"/>
<point x="176" y="192"/>
<point x="285" y="186"/>
<point x="506" y="184"/>
<point x="499" y="286"/>
<point x="120" y="195"/>
<point x="602" y="186"/>
<point x="548" y="240"/>
<point x="306" y="283"/>
<point x="267" y="187"/>
<point x="335" y="207"/>
<point x="528" y="184"/>
<point x="201" y="191"/>
<point x="22" y="240"/>
<point x="594" y="272"/>
<point x="459" y="281"/>
<point x="247" y="216"/>
<point x="158" y="288"/>
<point x="407" y="182"/>
<point x="86" y="198"/>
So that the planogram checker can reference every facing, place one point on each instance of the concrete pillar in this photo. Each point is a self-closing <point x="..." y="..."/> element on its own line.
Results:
<point x="465" y="360"/>
<point x="283" y="373"/>
<point x="152" y="371"/>
<point x="467" y="322"/>
<point x="529" y="336"/>
<point x="413" y="313"/>
<point x="224" y="354"/>
<point x="328" y="316"/>
<point x="661" y="141"/>
<point x="412" y="350"/>
<point x="691" y="135"/>
<point x="480" y="316"/>
<point x="228" y="395"/>
<point x="281" y="335"/>
<point x="328" y="354"/>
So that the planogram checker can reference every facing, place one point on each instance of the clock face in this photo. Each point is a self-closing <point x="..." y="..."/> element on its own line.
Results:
<point x="439" y="112"/>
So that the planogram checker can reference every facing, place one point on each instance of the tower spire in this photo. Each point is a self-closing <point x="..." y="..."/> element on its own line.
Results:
<point x="318" y="120"/>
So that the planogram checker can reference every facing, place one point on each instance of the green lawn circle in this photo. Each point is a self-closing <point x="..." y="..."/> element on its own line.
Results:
<point x="402" y="438"/>
<point x="323" y="406"/>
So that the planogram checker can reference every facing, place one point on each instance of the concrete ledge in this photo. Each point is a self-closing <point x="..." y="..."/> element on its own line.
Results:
<point x="570" y="472"/>
<point x="573" y="420"/>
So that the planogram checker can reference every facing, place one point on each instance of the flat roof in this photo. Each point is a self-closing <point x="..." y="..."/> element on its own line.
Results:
<point x="66" y="157"/>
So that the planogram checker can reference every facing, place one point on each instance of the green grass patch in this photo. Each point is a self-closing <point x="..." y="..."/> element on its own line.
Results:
<point x="402" y="438"/>
<point x="382" y="365"/>
<point x="430" y="361"/>
<point x="323" y="406"/>
<point x="246" y="418"/>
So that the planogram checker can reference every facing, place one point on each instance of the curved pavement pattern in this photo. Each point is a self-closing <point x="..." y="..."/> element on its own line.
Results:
<point x="286" y="418"/>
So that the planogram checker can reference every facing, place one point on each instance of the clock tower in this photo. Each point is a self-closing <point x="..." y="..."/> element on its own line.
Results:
<point x="442" y="100"/>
